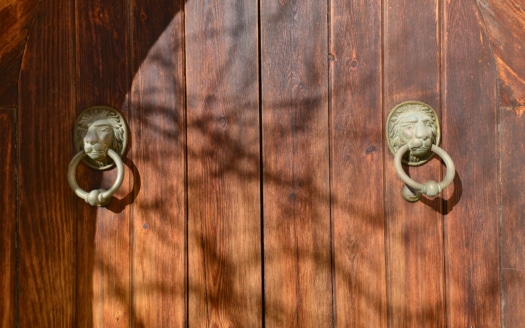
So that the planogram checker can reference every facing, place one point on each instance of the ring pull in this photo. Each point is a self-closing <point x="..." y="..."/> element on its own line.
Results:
<point x="413" y="135"/>
<point x="96" y="197"/>
<point x="413" y="190"/>
<point x="100" y="136"/>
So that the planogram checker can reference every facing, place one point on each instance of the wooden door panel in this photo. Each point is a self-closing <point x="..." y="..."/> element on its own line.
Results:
<point x="469" y="130"/>
<point x="296" y="208"/>
<point x="356" y="161"/>
<point x="157" y="158"/>
<point x="102" y="77"/>
<point x="414" y="237"/>
<point x="505" y="23"/>
<point x="47" y="211"/>
<point x="259" y="191"/>
<point x="8" y="222"/>
<point x="223" y="153"/>
<point x="16" y="18"/>
<point x="512" y="152"/>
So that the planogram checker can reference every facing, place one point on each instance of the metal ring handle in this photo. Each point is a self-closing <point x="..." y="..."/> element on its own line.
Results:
<point x="97" y="197"/>
<point x="429" y="188"/>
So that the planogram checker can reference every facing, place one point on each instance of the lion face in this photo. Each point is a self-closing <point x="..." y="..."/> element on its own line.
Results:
<point x="96" y="130"/>
<point x="98" y="139"/>
<point x="413" y="124"/>
<point x="415" y="129"/>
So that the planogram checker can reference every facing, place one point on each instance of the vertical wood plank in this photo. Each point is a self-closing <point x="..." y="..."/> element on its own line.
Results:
<point x="414" y="230"/>
<point x="512" y="129"/>
<point x="505" y="25"/>
<point x="297" y="240"/>
<point x="8" y="211"/>
<point x="158" y="131"/>
<point x="47" y="211"/>
<point x="104" y="240"/>
<point x="16" y="17"/>
<point x="469" y="124"/>
<point x="224" y="231"/>
<point x="357" y="164"/>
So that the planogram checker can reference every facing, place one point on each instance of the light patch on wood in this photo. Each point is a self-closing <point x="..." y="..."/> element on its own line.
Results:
<point x="519" y="110"/>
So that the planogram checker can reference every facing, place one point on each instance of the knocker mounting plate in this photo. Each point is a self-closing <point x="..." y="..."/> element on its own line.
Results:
<point x="96" y="130"/>
<point x="415" y="124"/>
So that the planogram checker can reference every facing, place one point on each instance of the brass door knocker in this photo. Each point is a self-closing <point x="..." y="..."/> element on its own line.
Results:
<point x="413" y="136"/>
<point x="100" y="135"/>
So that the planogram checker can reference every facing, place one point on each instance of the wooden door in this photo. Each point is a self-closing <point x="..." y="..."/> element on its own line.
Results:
<point x="259" y="189"/>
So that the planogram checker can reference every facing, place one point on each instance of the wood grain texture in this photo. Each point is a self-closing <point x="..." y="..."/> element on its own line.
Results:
<point x="224" y="245"/>
<point x="47" y="210"/>
<point x="357" y="164"/>
<point x="297" y="240"/>
<point x="16" y="17"/>
<point x="157" y="124"/>
<point x="259" y="190"/>
<point x="414" y="230"/>
<point x="469" y="124"/>
<point x="8" y="203"/>
<point x="512" y="128"/>
<point x="505" y="22"/>
<point x="103" y="77"/>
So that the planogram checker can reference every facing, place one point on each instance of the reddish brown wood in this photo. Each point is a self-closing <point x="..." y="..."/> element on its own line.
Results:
<point x="341" y="246"/>
<point x="414" y="230"/>
<point x="8" y="218"/>
<point x="512" y="128"/>
<point x="103" y="77"/>
<point x="357" y="164"/>
<point x="505" y="21"/>
<point x="223" y="164"/>
<point x="47" y="210"/>
<point x="16" y="17"/>
<point x="470" y="126"/>
<point x="297" y="244"/>
<point x="157" y="124"/>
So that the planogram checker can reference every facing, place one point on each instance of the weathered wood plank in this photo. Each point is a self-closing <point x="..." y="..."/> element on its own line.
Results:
<point x="357" y="164"/>
<point x="8" y="203"/>
<point x="297" y="240"/>
<point x="469" y="129"/>
<point x="103" y="64"/>
<point x="16" y="17"/>
<point x="47" y="210"/>
<point x="224" y="197"/>
<point x="505" y="22"/>
<point x="512" y="129"/>
<point x="414" y="230"/>
<point x="157" y="123"/>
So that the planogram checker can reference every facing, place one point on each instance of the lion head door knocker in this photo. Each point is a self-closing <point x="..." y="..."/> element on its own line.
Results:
<point x="100" y="135"/>
<point x="413" y="136"/>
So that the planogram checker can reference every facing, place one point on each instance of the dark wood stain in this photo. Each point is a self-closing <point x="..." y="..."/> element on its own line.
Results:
<point x="47" y="224"/>
<point x="8" y="184"/>
<point x="16" y="18"/>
